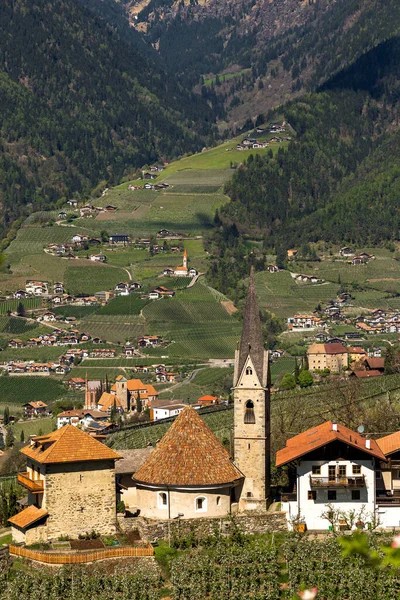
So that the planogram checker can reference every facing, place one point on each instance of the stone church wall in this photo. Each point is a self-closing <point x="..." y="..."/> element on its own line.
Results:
<point x="155" y="530"/>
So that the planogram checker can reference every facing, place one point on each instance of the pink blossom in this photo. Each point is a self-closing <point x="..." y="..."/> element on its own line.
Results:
<point x="309" y="594"/>
<point x="396" y="541"/>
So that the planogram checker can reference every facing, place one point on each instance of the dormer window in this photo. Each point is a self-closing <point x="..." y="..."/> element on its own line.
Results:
<point x="249" y="416"/>
<point x="249" y="371"/>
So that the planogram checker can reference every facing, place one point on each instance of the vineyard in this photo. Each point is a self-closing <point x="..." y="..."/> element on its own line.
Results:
<point x="12" y="305"/>
<point x="92" y="278"/>
<point x="16" y="391"/>
<point x="220" y="423"/>
<point x="123" y="305"/>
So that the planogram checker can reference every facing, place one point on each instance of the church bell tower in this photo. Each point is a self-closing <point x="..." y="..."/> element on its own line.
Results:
<point x="251" y="387"/>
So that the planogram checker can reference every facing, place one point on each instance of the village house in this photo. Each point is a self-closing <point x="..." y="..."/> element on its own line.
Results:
<point x="166" y="411"/>
<point x="128" y="351"/>
<point x="163" y="291"/>
<point x="81" y="417"/>
<point x="58" y="287"/>
<point x="346" y="251"/>
<point x="273" y="269"/>
<point x="122" y="289"/>
<point x="208" y="400"/>
<point x="76" y="383"/>
<point x="119" y="238"/>
<point x="329" y="464"/>
<point x="102" y="353"/>
<point x="304" y="322"/>
<point x="16" y="343"/>
<point x="165" y="376"/>
<point x="20" y="294"/>
<point x="64" y="473"/>
<point x="98" y="257"/>
<point x="107" y="402"/>
<point x="104" y="296"/>
<point x="149" y="340"/>
<point x="332" y="356"/>
<point x="35" y="409"/>
<point x="36" y="288"/>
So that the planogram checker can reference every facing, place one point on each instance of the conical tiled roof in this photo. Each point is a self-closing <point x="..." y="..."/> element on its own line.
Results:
<point x="252" y="341"/>
<point x="188" y="455"/>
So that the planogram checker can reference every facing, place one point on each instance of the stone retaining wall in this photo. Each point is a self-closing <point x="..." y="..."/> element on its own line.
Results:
<point x="155" y="530"/>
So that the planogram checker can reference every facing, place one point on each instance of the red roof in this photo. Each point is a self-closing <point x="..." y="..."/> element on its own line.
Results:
<point x="189" y="455"/>
<point x="335" y="349"/>
<point x="364" y="374"/>
<point x="320" y="436"/>
<point x="375" y="363"/>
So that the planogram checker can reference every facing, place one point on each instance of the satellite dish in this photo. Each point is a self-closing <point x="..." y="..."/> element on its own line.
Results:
<point x="360" y="429"/>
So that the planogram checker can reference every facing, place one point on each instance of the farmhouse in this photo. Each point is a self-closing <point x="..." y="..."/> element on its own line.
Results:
<point x="304" y="322"/>
<point x="35" y="409"/>
<point x="36" y="288"/>
<point x="329" y="464"/>
<point x="208" y="400"/>
<point x="119" y="238"/>
<point x="98" y="257"/>
<point x="128" y="351"/>
<point x="327" y="356"/>
<point x="65" y="472"/>
<point x="102" y="353"/>
<point x="166" y="411"/>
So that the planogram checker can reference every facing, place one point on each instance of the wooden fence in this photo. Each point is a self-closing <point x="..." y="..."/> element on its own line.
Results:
<point x="83" y="557"/>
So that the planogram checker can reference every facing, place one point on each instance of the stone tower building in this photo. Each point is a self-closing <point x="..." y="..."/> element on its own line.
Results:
<point x="251" y="386"/>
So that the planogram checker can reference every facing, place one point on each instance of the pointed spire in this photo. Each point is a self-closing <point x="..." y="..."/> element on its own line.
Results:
<point x="252" y="342"/>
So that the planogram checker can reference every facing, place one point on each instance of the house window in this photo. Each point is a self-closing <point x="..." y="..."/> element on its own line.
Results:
<point x="316" y="470"/>
<point x="342" y="471"/>
<point x="249" y="495"/>
<point x="331" y="473"/>
<point x="201" y="504"/>
<point x="162" y="500"/>
<point x="218" y="500"/>
<point x="356" y="469"/>
<point x="331" y="494"/>
<point x="312" y="495"/>
<point x="249" y="417"/>
<point x="249" y="371"/>
<point x="355" y="494"/>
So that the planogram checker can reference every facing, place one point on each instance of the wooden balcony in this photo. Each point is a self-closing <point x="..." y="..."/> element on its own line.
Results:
<point x="34" y="486"/>
<point x="337" y="482"/>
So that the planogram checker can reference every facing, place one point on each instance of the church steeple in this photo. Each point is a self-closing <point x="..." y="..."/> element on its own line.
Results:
<point x="251" y="385"/>
<point x="252" y="342"/>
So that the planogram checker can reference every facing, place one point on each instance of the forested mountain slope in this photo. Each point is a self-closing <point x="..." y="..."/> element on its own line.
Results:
<point x="282" y="46"/>
<point x="80" y="105"/>
<point x="339" y="179"/>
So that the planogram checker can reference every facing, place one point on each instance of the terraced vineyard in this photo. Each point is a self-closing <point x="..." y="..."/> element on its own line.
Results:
<point x="89" y="279"/>
<point x="16" y="391"/>
<point x="195" y="323"/>
<point x="12" y="305"/>
<point x="220" y="423"/>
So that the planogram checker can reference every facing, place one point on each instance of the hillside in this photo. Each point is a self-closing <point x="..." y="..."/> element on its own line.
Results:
<point x="81" y="105"/>
<point x="256" y="55"/>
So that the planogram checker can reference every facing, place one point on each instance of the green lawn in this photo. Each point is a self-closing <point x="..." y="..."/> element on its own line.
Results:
<point x="34" y="427"/>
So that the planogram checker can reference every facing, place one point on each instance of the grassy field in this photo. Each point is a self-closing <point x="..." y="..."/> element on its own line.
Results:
<point x="34" y="427"/>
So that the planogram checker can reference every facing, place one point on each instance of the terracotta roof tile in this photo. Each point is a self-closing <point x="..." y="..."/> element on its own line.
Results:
<point x="321" y="435"/>
<point x="371" y="373"/>
<point x="28" y="516"/>
<point x="189" y="454"/>
<point x="389" y="443"/>
<point x="107" y="401"/>
<point x="68" y="444"/>
<point x="375" y="363"/>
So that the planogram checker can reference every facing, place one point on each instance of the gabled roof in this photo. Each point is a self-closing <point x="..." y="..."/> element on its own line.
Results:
<point x="37" y="404"/>
<point x="375" y="363"/>
<point x="66" y="445"/>
<point x="389" y="443"/>
<point x="321" y="435"/>
<point x="107" y="401"/>
<point x="190" y="455"/>
<point x="28" y="516"/>
<point x="366" y="374"/>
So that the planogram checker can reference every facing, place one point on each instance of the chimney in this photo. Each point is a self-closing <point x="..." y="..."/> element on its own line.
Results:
<point x="334" y="426"/>
<point x="368" y="444"/>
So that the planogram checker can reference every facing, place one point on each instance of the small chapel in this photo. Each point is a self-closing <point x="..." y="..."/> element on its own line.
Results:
<point x="190" y="474"/>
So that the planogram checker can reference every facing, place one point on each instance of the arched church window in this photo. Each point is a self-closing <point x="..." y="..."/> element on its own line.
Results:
<point x="162" y="500"/>
<point x="249" y="371"/>
<point x="201" y="504"/>
<point x="249" y="416"/>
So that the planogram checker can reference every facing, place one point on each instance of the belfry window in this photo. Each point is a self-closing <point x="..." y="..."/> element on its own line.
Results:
<point x="249" y="371"/>
<point x="249" y="416"/>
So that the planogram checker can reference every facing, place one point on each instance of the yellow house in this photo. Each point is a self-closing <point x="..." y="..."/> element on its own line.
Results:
<point x="327" y="356"/>
<point x="70" y="478"/>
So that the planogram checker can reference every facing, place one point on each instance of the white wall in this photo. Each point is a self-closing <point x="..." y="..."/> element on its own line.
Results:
<point x="311" y="509"/>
